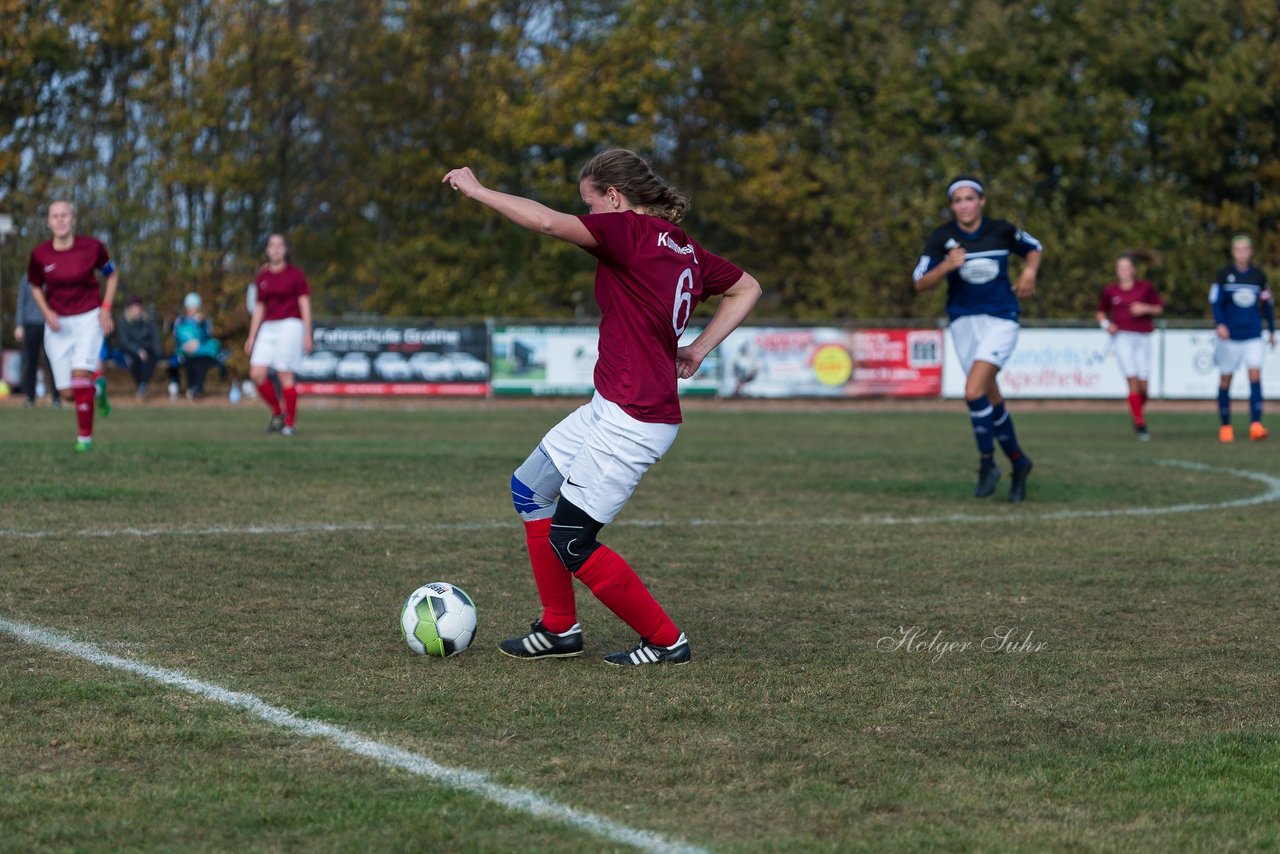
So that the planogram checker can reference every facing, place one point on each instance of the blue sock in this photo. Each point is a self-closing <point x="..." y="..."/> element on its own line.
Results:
<point x="980" y="411"/>
<point x="1002" y="422"/>
<point x="1224" y="405"/>
<point x="1255" y="401"/>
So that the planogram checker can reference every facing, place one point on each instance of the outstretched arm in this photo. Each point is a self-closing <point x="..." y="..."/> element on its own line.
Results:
<point x="525" y="213"/>
<point x="735" y="304"/>
<point x="1026" y="285"/>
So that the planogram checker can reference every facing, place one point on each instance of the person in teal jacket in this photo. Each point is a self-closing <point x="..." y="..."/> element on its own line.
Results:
<point x="195" y="346"/>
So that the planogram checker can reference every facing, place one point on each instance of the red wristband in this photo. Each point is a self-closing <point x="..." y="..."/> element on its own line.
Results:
<point x="106" y="305"/>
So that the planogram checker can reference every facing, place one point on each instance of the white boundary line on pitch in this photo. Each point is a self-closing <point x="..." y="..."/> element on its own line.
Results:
<point x="1271" y="496"/>
<point x="473" y="782"/>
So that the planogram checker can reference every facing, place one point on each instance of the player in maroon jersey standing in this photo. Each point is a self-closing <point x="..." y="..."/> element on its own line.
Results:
<point x="1125" y="310"/>
<point x="649" y="276"/>
<point x="63" y="273"/>
<point x="279" y="333"/>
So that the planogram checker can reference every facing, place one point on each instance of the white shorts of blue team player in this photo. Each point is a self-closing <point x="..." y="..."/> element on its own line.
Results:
<point x="602" y="452"/>
<point x="1133" y="352"/>
<point x="279" y="345"/>
<point x="1230" y="354"/>
<point x="983" y="338"/>
<point x="76" y="346"/>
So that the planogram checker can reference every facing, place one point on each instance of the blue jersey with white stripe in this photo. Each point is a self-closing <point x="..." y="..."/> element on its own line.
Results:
<point x="982" y="284"/>
<point x="1240" y="299"/>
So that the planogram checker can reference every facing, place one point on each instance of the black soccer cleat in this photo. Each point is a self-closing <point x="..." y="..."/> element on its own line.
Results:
<point x="275" y="424"/>
<point x="647" y="653"/>
<point x="1018" y="483"/>
<point x="988" y="477"/>
<point x="540" y="643"/>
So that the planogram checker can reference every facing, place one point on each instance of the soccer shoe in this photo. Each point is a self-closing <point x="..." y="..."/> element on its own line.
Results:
<point x="1226" y="435"/>
<point x="1257" y="432"/>
<point x="988" y="477"/>
<point x="104" y="403"/>
<point x="647" y="653"/>
<point x="84" y="446"/>
<point x="276" y="422"/>
<point x="287" y="431"/>
<point x="540" y="643"/>
<point x="1018" y="483"/>
<point x="1144" y="435"/>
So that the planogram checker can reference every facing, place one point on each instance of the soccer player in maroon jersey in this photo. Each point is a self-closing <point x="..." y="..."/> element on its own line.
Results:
<point x="1125" y="310"/>
<point x="649" y="276"/>
<point x="63" y="273"/>
<point x="279" y="333"/>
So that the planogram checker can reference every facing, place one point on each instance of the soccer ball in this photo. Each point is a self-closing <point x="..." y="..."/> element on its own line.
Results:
<point x="438" y="619"/>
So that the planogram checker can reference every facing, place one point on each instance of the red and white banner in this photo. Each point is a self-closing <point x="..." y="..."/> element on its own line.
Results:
<point x="829" y="362"/>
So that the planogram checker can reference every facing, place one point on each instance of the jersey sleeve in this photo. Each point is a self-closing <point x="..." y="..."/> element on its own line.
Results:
<point x="1268" y="306"/>
<point x="1104" y="304"/>
<point x="1024" y="243"/>
<point x="718" y="275"/>
<point x="1153" y="295"/>
<point x="613" y="237"/>
<point x="934" y="251"/>
<point x="35" y="272"/>
<point x="103" y="261"/>
<point x="301" y="288"/>
<point x="1216" y="293"/>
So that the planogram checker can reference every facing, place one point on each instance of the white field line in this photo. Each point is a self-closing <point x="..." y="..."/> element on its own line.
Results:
<point x="474" y="782"/>
<point x="1270" y="496"/>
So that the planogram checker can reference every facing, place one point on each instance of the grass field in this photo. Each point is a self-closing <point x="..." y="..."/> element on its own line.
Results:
<point x="788" y="545"/>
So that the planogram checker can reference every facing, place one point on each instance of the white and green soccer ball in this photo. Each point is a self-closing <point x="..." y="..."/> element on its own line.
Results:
<point x="438" y="619"/>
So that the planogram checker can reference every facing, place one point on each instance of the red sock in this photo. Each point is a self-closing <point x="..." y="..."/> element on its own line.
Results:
<point x="1135" y="408"/>
<point x="1144" y="398"/>
<point x="82" y="390"/>
<point x="555" y="583"/>
<point x="290" y="405"/>
<point x="268" y="392"/>
<point x="616" y="584"/>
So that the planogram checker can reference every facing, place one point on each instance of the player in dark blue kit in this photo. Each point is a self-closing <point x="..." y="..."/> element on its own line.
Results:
<point x="972" y="254"/>
<point x="1240" y="300"/>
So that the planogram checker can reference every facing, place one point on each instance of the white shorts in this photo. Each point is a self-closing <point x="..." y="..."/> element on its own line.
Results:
<point x="1229" y="354"/>
<point x="602" y="453"/>
<point x="1133" y="352"/>
<point x="983" y="338"/>
<point x="278" y="345"/>
<point x="76" y="346"/>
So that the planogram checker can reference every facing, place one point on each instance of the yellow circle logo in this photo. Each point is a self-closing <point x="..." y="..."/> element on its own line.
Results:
<point x="832" y="364"/>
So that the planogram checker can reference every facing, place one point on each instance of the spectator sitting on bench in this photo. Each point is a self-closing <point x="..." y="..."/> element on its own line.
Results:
<point x="195" y="347"/>
<point x="139" y="343"/>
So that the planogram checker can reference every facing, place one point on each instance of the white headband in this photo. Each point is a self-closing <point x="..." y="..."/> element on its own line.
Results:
<point x="964" y="182"/>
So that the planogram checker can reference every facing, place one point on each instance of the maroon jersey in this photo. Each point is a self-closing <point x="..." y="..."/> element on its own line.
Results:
<point x="649" y="278"/>
<point x="1115" y="301"/>
<point x="278" y="292"/>
<point x="68" y="275"/>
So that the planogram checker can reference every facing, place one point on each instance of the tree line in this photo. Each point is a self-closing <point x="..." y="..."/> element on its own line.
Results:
<point x="815" y="138"/>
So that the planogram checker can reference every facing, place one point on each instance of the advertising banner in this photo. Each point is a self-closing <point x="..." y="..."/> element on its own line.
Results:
<point x="426" y="359"/>
<point x="1190" y="372"/>
<point x="780" y="362"/>
<point x="561" y="360"/>
<point x="1056" y="363"/>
